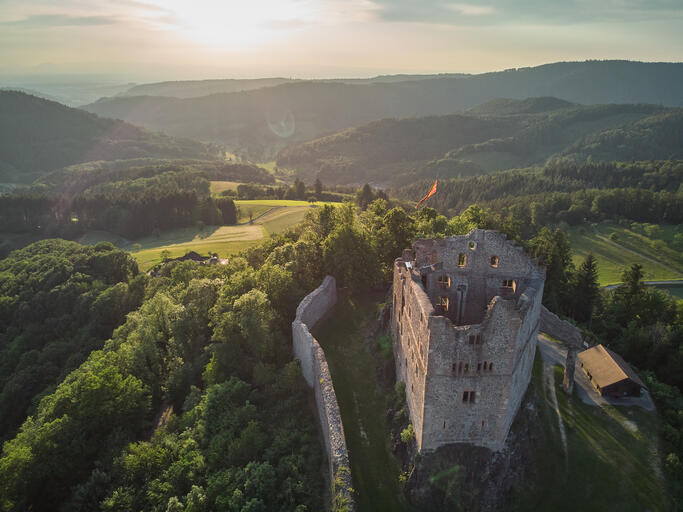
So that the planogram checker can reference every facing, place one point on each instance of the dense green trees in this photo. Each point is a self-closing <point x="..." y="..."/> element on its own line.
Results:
<point x="564" y="192"/>
<point x="211" y="345"/>
<point x="130" y="208"/>
<point x="58" y="302"/>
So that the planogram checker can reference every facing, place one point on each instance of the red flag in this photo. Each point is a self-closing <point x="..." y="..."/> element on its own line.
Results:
<point x="431" y="193"/>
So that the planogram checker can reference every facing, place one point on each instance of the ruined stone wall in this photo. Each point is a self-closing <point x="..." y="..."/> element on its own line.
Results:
<point x="317" y="374"/>
<point x="482" y="344"/>
<point x="560" y="329"/>
<point x="411" y="315"/>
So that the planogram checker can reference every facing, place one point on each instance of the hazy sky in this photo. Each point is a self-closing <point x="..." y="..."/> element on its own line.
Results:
<point x="162" y="39"/>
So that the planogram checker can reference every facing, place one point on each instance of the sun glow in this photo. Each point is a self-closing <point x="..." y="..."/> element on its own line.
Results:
<point x="233" y="24"/>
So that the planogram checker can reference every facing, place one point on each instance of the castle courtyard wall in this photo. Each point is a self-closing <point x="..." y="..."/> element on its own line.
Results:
<point x="317" y="374"/>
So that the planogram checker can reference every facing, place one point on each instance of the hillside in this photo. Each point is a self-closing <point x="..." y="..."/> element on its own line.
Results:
<point x="37" y="135"/>
<point x="499" y="135"/>
<point x="262" y="121"/>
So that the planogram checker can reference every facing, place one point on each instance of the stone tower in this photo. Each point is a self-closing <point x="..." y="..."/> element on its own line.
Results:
<point x="465" y="322"/>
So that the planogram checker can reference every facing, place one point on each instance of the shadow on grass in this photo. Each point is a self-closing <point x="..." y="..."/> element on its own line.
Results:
<point x="363" y="405"/>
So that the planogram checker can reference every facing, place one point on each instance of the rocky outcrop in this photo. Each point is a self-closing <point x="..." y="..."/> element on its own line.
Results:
<point x="317" y="374"/>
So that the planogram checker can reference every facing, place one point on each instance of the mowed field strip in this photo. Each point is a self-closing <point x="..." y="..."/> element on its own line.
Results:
<point x="267" y="217"/>
<point x="613" y="257"/>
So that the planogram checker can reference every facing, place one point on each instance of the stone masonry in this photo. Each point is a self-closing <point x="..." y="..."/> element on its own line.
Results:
<point x="317" y="374"/>
<point x="465" y="323"/>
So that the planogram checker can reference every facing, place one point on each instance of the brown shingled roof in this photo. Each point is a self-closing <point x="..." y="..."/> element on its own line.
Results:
<point x="607" y="367"/>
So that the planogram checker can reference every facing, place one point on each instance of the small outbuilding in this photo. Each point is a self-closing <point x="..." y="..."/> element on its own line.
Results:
<point x="609" y="373"/>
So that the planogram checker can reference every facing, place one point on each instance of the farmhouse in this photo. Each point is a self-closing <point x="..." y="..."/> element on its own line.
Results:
<point x="465" y="323"/>
<point x="609" y="373"/>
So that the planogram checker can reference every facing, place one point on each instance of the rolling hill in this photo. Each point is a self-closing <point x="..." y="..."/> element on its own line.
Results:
<point x="499" y="135"/>
<point x="262" y="121"/>
<point x="38" y="135"/>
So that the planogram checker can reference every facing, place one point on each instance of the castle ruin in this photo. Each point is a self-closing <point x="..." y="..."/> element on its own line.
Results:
<point x="465" y="322"/>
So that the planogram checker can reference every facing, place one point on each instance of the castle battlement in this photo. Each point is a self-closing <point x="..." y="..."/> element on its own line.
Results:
<point x="465" y="321"/>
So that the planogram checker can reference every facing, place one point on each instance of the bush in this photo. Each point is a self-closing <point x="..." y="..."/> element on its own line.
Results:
<point x="408" y="434"/>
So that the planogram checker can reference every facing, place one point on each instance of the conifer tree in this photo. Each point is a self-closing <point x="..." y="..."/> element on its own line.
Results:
<point x="586" y="289"/>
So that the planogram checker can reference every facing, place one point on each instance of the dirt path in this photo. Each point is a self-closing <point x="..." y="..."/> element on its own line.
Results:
<point x="550" y="359"/>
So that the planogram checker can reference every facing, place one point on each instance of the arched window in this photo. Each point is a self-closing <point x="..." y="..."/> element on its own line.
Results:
<point x="442" y="303"/>
<point x="494" y="261"/>
<point x="472" y="245"/>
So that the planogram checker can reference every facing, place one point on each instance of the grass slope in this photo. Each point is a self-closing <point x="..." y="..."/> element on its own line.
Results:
<point x="219" y="186"/>
<point x="613" y="259"/>
<point x="609" y="466"/>
<point x="269" y="217"/>
<point x="375" y="472"/>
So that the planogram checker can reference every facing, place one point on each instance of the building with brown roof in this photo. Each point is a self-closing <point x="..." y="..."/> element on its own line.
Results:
<point x="609" y="373"/>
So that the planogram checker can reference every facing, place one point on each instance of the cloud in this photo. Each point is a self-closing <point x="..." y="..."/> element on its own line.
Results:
<point x="549" y="12"/>
<point x="59" y="20"/>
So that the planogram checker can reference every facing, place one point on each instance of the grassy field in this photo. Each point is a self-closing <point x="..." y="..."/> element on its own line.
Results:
<point x="613" y="259"/>
<point x="610" y="465"/>
<point x="659" y="249"/>
<point x="247" y="209"/>
<point x="223" y="240"/>
<point x="219" y="186"/>
<point x="270" y="217"/>
<point x="280" y="219"/>
<point x="362" y="404"/>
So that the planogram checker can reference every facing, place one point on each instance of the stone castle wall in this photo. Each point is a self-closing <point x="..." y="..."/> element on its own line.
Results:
<point x="317" y="374"/>
<point x="482" y="341"/>
<point x="560" y="329"/>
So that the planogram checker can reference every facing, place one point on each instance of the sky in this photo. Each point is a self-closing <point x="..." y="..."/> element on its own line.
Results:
<point x="146" y="40"/>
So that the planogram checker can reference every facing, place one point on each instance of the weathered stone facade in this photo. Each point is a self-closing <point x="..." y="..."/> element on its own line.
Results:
<point x="465" y="320"/>
<point x="317" y="374"/>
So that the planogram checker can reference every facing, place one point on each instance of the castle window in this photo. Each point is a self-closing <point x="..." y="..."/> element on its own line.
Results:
<point x="474" y="339"/>
<point x="479" y="367"/>
<point x="472" y="245"/>
<point x="412" y="388"/>
<point x="444" y="281"/>
<point x="490" y="366"/>
<point x="509" y="283"/>
<point x="444" y="424"/>
<point x="454" y="367"/>
<point x="460" y="367"/>
<point x="467" y="367"/>
<point x="494" y="261"/>
<point x="442" y="303"/>
<point x="468" y="397"/>
<point x="462" y="259"/>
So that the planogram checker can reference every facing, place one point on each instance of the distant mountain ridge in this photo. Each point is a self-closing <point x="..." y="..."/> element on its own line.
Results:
<point x="38" y="135"/>
<point x="198" y="88"/>
<point x="310" y="109"/>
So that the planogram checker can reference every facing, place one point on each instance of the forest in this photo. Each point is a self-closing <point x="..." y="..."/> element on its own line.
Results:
<point x="191" y="400"/>
<point x="132" y="202"/>
<point x="497" y="135"/>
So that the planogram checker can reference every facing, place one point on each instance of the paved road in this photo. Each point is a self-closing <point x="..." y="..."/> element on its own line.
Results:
<point x="648" y="283"/>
